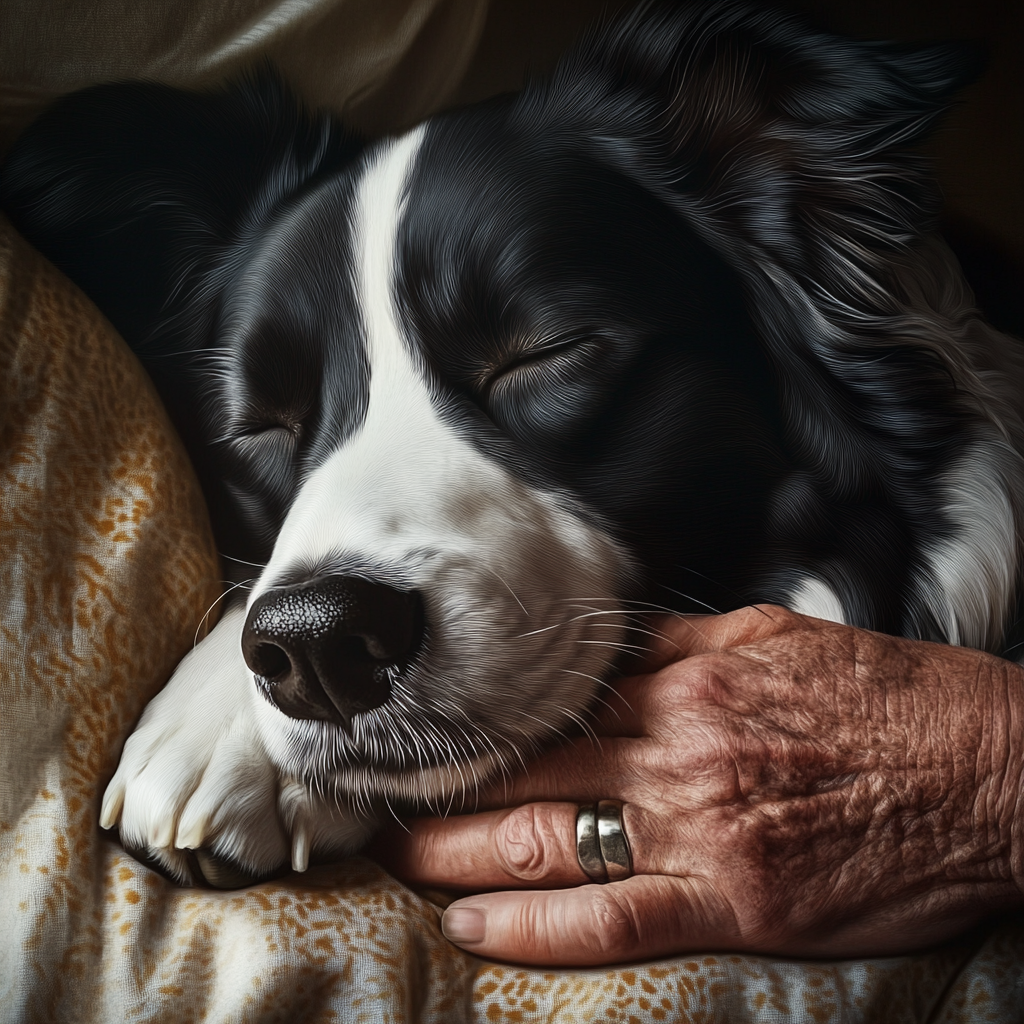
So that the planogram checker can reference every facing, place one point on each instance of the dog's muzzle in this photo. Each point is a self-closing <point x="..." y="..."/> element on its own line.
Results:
<point x="329" y="648"/>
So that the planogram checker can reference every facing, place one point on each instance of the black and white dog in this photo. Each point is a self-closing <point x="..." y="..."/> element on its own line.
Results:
<point x="670" y="328"/>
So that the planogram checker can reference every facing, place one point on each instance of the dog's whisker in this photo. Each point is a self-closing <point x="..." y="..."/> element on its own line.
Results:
<point x="584" y="725"/>
<point x="696" y="600"/>
<point x="633" y="627"/>
<point x="610" y="707"/>
<point x="394" y="814"/>
<point x="561" y="624"/>
<point x="230" y="589"/>
<point x="615" y="645"/>
<point x="242" y="561"/>
<point x="504" y="583"/>
<point x="583" y="675"/>
<point x="546" y="727"/>
<point x="596" y="697"/>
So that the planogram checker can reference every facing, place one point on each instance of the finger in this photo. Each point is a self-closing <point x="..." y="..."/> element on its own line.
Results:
<point x="533" y="845"/>
<point x="605" y="768"/>
<point x="642" y="917"/>
<point x="683" y="636"/>
<point x="620" y="710"/>
<point x="529" y="846"/>
<point x="659" y="704"/>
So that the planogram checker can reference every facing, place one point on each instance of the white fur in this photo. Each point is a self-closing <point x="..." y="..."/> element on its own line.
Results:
<point x="520" y="594"/>
<point x="817" y="599"/>
<point x="504" y="568"/>
<point x="969" y="580"/>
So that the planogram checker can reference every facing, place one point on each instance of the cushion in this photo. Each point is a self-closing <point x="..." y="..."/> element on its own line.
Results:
<point x="384" y="64"/>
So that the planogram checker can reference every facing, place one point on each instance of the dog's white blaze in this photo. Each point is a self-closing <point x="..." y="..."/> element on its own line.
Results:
<point x="969" y="580"/>
<point x="812" y="597"/>
<point x="500" y="564"/>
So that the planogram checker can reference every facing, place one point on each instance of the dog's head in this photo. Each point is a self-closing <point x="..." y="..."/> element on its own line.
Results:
<point x="465" y="395"/>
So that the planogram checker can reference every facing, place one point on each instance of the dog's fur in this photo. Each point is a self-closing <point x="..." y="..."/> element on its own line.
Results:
<point x="670" y="329"/>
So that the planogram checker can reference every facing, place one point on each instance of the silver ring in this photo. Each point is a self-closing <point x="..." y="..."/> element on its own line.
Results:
<point x="601" y="844"/>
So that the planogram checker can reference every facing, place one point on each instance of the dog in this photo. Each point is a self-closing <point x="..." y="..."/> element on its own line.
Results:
<point x="670" y="329"/>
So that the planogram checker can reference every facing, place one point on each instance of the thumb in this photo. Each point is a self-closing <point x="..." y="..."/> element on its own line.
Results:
<point x="639" y="918"/>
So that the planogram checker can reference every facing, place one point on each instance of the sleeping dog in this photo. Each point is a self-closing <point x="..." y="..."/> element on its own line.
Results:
<point x="669" y="329"/>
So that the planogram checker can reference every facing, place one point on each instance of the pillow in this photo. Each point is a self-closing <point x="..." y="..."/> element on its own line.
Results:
<point x="107" y="572"/>
<point x="384" y="64"/>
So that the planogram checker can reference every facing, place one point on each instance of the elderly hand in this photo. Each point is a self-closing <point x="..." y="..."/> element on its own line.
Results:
<point x="791" y="786"/>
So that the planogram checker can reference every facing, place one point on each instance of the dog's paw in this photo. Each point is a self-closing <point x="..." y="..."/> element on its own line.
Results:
<point x="195" y="791"/>
<point x="193" y="775"/>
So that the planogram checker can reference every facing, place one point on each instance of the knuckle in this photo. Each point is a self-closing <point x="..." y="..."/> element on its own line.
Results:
<point x="755" y="622"/>
<point x="612" y="925"/>
<point x="711" y="684"/>
<point x="527" y="843"/>
<point x="695" y="683"/>
<point x="775" y="618"/>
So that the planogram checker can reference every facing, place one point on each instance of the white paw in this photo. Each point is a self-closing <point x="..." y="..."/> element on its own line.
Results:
<point x="194" y="776"/>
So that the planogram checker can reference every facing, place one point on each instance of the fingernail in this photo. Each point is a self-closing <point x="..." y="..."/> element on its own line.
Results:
<point x="463" y="925"/>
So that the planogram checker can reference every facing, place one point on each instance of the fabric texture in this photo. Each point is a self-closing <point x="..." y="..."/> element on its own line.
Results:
<point x="384" y="64"/>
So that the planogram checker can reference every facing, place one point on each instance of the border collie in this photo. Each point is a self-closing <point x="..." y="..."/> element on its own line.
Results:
<point x="670" y="328"/>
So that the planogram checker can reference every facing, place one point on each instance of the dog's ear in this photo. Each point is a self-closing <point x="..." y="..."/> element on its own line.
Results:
<point x="790" y="152"/>
<point x="756" y="123"/>
<point x="144" y="194"/>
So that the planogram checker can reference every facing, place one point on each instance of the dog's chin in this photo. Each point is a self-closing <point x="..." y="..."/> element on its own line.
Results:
<point x="440" y="788"/>
<point x="332" y="760"/>
<point x="392" y="754"/>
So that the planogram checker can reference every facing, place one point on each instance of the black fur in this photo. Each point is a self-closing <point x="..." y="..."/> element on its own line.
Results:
<point x="154" y="201"/>
<point x="696" y="217"/>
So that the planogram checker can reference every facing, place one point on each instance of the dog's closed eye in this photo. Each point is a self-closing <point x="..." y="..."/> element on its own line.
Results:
<point x="543" y="363"/>
<point x="268" y="440"/>
<point x="272" y="452"/>
<point x="278" y="429"/>
<point x="550" y="388"/>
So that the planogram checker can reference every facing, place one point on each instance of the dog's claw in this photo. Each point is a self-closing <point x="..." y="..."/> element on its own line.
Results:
<point x="192" y="831"/>
<point x="300" y="848"/>
<point x="113" y="802"/>
<point x="221" y="874"/>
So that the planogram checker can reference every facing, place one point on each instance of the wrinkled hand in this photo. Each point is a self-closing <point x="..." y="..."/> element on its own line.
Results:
<point x="792" y="786"/>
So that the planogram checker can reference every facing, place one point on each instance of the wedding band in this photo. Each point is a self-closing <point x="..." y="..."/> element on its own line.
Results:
<point x="601" y="844"/>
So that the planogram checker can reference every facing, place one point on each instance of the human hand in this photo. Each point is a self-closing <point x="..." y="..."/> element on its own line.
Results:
<point x="791" y="786"/>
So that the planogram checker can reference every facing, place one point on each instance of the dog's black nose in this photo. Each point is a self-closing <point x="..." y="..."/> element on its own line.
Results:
<point x="327" y="649"/>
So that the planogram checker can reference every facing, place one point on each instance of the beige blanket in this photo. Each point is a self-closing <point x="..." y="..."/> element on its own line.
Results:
<point x="107" y="571"/>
